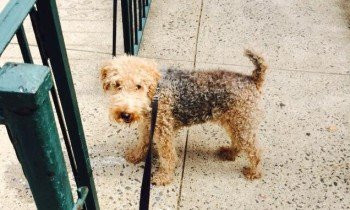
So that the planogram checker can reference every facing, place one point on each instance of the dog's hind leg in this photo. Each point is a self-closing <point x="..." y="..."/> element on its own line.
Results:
<point x="230" y="152"/>
<point x="242" y="131"/>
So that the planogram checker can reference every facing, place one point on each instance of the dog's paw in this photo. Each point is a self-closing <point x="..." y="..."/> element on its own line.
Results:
<point x="162" y="178"/>
<point x="251" y="174"/>
<point x="133" y="156"/>
<point x="226" y="153"/>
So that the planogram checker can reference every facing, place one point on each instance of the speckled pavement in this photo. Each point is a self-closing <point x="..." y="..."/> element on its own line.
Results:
<point x="304" y="137"/>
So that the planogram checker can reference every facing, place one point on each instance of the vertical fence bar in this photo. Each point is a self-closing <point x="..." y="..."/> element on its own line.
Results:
<point x="56" y="51"/>
<point x="44" y="58"/>
<point x="131" y="26"/>
<point x="143" y="8"/>
<point x="127" y="27"/>
<point x="24" y="96"/>
<point x="114" y="39"/>
<point x="135" y="19"/>
<point x="23" y="44"/>
<point x="134" y="14"/>
<point x="39" y="40"/>
<point x="148" y="5"/>
<point x="140" y="7"/>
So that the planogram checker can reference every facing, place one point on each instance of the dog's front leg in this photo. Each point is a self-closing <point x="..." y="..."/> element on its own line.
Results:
<point x="164" y="143"/>
<point x="138" y="153"/>
<point x="165" y="146"/>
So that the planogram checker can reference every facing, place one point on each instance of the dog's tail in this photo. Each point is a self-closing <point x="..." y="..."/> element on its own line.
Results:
<point x="258" y="75"/>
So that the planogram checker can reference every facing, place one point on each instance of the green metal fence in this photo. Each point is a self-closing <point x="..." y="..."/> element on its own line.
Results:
<point x="25" y="108"/>
<point x="134" y="16"/>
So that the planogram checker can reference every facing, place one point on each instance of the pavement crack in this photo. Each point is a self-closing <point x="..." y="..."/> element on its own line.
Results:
<point x="197" y="36"/>
<point x="183" y="171"/>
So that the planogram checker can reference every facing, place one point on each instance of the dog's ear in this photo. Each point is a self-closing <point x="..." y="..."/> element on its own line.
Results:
<point x="104" y="72"/>
<point x="107" y="70"/>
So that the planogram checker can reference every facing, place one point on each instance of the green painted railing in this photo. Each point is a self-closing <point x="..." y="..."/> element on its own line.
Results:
<point x="26" y="110"/>
<point x="25" y="106"/>
<point x="11" y="19"/>
<point x="134" y="16"/>
<point x="24" y="97"/>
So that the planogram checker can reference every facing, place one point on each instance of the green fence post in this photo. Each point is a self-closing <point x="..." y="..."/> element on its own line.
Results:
<point x="56" y="51"/>
<point x="28" y="115"/>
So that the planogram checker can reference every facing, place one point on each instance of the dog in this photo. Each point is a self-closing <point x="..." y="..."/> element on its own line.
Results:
<point x="185" y="98"/>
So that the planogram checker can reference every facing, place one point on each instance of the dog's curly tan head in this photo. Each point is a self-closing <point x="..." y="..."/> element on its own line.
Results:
<point x="130" y="83"/>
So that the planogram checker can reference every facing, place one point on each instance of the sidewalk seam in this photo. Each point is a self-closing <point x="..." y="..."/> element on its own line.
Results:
<point x="198" y="29"/>
<point x="183" y="171"/>
<point x="211" y="63"/>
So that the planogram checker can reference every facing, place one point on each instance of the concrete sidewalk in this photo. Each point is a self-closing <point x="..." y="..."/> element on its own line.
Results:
<point x="305" y="136"/>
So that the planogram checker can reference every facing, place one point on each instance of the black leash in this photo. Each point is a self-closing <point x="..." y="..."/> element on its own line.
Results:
<point x="114" y="36"/>
<point x="146" y="179"/>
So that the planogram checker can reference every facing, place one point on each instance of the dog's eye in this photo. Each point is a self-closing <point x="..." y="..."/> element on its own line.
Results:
<point x="138" y="87"/>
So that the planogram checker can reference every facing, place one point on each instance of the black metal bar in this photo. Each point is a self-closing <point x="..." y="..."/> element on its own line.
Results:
<point x="131" y="27"/>
<point x="143" y="8"/>
<point x="44" y="58"/>
<point x="115" y="6"/>
<point x="140" y="7"/>
<point x="23" y="44"/>
<point x="38" y="37"/>
<point x="135" y="19"/>
<point x="134" y="15"/>
<point x="56" y="51"/>
<point x="127" y="27"/>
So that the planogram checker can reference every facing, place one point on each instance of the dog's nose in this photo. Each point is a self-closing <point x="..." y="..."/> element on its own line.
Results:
<point x="125" y="116"/>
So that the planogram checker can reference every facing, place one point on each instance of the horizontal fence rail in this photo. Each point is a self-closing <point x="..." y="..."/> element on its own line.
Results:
<point x="11" y="19"/>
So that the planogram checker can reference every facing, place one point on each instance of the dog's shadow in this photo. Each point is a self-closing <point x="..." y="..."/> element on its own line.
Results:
<point x="206" y="160"/>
